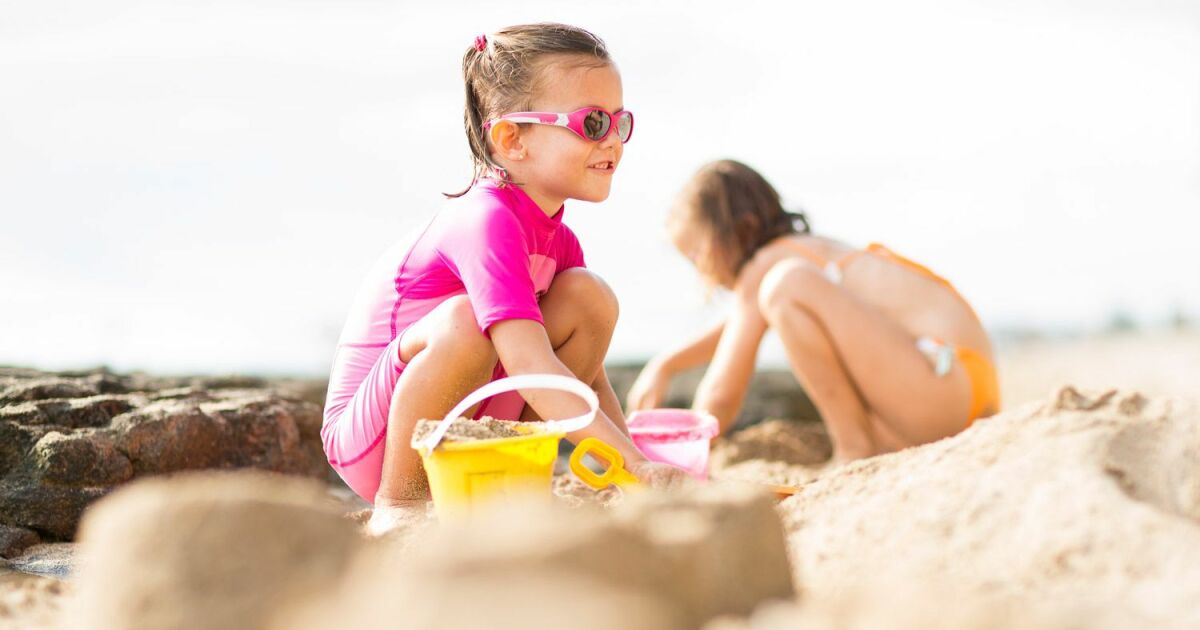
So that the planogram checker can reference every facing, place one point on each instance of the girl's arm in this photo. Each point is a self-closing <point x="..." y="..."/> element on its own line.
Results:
<point x="695" y="353"/>
<point x="524" y="348"/>
<point x="723" y="388"/>
<point x="650" y="388"/>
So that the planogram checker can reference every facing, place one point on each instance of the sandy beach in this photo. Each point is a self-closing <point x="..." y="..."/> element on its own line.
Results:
<point x="1077" y="506"/>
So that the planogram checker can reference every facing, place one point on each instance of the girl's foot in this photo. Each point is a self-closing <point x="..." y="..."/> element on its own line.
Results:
<point x="391" y="515"/>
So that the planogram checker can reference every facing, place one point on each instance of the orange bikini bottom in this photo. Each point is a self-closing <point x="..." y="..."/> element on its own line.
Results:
<point x="985" y="388"/>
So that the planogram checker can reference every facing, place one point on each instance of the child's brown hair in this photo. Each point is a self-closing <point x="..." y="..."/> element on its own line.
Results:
<point x="726" y="213"/>
<point x="501" y="73"/>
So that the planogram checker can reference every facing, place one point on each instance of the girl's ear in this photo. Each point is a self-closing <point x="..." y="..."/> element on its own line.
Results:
<point x="506" y="140"/>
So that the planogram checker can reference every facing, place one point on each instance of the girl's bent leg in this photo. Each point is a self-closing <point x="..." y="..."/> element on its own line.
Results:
<point x="580" y="313"/>
<point x="894" y="382"/>
<point x="447" y="358"/>
<point x="816" y="365"/>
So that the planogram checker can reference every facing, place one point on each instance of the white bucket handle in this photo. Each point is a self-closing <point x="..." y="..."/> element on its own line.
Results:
<point x="512" y="384"/>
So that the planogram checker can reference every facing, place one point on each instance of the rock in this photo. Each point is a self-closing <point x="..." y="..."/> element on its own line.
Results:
<point x="168" y="436"/>
<point x="207" y="550"/>
<point x="47" y="559"/>
<point x="94" y="411"/>
<point x="52" y="511"/>
<point x="81" y="460"/>
<point x="68" y="438"/>
<point x="14" y="540"/>
<point x="45" y="388"/>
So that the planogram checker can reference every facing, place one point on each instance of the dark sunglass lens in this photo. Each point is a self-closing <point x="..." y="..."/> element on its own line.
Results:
<point x="624" y="125"/>
<point x="595" y="124"/>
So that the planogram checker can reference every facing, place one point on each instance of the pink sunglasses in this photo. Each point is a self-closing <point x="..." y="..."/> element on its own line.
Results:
<point x="589" y="123"/>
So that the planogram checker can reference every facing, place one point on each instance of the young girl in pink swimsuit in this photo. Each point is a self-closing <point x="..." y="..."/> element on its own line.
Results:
<point x="495" y="283"/>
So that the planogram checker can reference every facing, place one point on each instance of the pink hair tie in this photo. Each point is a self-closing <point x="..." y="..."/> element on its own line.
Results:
<point x="480" y="42"/>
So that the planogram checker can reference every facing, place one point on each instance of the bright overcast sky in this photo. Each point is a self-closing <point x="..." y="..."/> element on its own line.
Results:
<point x="200" y="186"/>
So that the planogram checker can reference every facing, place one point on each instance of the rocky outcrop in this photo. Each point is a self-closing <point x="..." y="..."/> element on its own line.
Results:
<point x="66" y="439"/>
<point x="15" y="539"/>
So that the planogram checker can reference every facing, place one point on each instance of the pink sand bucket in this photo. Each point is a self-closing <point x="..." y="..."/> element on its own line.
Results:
<point x="679" y="437"/>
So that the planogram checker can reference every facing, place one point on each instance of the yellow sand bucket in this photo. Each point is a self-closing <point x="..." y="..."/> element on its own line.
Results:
<point x="462" y="474"/>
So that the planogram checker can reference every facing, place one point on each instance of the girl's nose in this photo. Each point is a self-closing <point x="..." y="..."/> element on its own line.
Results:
<point x="612" y="141"/>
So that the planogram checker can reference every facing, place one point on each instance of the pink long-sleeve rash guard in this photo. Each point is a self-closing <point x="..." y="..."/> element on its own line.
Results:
<point x="494" y="244"/>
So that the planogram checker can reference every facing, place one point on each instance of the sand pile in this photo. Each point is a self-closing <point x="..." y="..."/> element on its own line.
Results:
<point x="1090" y="502"/>
<point x="207" y="550"/>
<point x="655" y="561"/>
<point x="874" y="605"/>
<point x="570" y="491"/>
<point x="29" y="601"/>
<point x="243" y="550"/>
<point x="1080" y="511"/>
<point x="468" y="430"/>
<point x="780" y="452"/>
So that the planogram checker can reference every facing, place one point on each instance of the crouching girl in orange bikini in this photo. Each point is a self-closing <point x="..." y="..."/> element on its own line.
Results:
<point x="890" y="354"/>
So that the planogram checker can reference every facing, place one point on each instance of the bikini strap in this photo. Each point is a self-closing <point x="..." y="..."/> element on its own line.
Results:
<point x="879" y="249"/>
<point x="882" y="251"/>
<point x="831" y="268"/>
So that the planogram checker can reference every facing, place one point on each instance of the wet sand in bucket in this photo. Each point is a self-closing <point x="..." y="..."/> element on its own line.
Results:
<point x="468" y="430"/>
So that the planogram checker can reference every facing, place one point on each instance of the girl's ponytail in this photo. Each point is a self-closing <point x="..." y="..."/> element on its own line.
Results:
<point x="473" y="117"/>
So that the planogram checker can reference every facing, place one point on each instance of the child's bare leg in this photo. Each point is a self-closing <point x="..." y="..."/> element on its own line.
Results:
<point x="447" y="358"/>
<point x="817" y="367"/>
<point x="893" y="380"/>
<point x="580" y="312"/>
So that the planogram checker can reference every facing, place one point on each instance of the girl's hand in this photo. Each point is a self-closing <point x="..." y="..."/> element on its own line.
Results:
<point x="650" y="389"/>
<point x="659" y="476"/>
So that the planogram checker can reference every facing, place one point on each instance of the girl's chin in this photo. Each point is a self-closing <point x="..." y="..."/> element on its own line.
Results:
<point x="594" y="194"/>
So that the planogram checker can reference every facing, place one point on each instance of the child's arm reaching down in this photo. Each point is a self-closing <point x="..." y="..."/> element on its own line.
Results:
<point x="524" y="348"/>
<point x="650" y="388"/>
<point x="724" y="386"/>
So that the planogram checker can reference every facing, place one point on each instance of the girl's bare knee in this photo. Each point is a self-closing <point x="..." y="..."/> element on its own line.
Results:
<point x="785" y="286"/>
<point x="457" y="332"/>
<point x="587" y="294"/>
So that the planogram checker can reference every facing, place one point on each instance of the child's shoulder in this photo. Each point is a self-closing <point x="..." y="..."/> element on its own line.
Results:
<point x="788" y="246"/>
<point x="483" y="205"/>
<point x="751" y="274"/>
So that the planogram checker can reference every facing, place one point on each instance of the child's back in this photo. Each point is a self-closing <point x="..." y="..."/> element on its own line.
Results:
<point x="921" y="302"/>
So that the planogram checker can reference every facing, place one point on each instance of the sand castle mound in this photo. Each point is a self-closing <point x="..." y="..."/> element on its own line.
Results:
<point x="661" y="561"/>
<point x="1088" y="502"/>
<point x="207" y="550"/>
